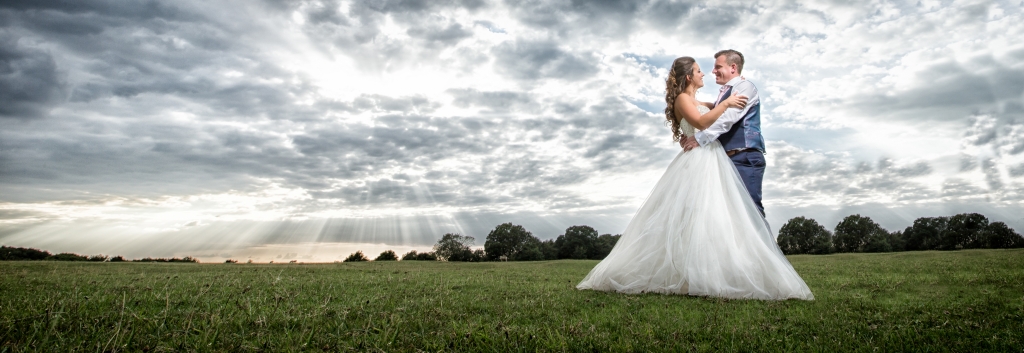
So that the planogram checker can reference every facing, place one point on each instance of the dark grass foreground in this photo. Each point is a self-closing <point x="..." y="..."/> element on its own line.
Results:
<point x="914" y="301"/>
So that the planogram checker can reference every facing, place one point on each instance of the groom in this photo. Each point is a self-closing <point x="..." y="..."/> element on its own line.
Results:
<point x="739" y="130"/>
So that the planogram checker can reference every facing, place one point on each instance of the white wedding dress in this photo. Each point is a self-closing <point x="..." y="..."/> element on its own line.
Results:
<point x="699" y="233"/>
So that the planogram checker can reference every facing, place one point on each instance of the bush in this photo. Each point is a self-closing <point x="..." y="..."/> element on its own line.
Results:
<point x="804" y="236"/>
<point x="98" y="258"/>
<point x="231" y="261"/>
<point x="356" y="257"/>
<point x="117" y="258"/>
<point x="387" y="255"/>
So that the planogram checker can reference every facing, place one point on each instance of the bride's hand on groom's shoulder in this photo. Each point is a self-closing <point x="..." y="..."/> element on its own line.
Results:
<point x="737" y="101"/>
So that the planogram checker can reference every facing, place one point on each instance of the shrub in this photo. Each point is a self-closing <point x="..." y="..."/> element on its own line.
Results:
<point x="231" y="261"/>
<point x="387" y="255"/>
<point x="117" y="258"/>
<point x="98" y="258"/>
<point x="355" y="257"/>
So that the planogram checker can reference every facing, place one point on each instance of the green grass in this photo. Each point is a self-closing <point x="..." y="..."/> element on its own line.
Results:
<point x="913" y="301"/>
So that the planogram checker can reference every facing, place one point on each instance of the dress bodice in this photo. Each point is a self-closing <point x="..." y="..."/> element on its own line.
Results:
<point x="685" y="128"/>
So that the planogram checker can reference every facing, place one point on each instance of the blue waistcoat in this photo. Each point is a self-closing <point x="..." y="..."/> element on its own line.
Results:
<point x="745" y="133"/>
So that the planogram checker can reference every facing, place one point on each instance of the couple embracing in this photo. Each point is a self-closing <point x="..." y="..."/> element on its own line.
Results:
<point x="702" y="230"/>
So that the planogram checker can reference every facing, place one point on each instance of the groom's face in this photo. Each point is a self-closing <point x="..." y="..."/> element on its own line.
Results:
<point x="723" y="70"/>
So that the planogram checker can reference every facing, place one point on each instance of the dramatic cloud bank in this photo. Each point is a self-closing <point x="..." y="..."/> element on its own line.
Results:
<point x="307" y="130"/>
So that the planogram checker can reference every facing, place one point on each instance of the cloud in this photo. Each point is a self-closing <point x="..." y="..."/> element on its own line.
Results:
<point x="395" y="121"/>
<point x="30" y="82"/>
<point x="531" y="60"/>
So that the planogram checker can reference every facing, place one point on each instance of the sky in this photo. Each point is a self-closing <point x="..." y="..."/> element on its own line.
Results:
<point x="306" y="130"/>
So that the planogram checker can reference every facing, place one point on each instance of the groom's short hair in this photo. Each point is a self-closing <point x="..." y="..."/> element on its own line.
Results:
<point x="732" y="57"/>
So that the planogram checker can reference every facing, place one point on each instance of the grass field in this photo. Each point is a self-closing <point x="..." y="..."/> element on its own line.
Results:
<point x="913" y="301"/>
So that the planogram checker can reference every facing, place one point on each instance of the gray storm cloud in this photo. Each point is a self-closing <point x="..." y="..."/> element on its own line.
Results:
<point x="186" y="119"/>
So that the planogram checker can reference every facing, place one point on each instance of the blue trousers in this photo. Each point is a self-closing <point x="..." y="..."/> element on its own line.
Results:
<point x="750" y="165"/>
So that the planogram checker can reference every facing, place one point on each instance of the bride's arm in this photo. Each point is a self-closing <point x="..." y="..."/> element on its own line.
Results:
<point x="710" y="105"/>
<point x="684" y="105"/>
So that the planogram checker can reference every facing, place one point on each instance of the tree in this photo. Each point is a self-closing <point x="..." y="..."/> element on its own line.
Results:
<point x="549" y="249"/>
<point x="387" y="255"/>
<point x="604" y="245"/>
<point x="897" y="241"/>
<point x="999" y="236"/>
<point x="98" y="258"/>
<point x="454" y="247"/>
<point x="117" y="258"/>
<point x="479" y="255"/>
<point x="507" y="240"/>
<point x="533" y="250"/>
<point x="804" y="236"/>
<point x="854" y="233"/>
<point x="356" y="257"/>
<point x="66" y="256"/>
<point x="411" y="255"/>
<point x="577" y="243"/>
<point x="925" y="233"/>
<point x="14" y="253"/>
<point x="423" y="256"/>
<point x="877" y="241"/>
<point x="963" y="232"/>
<point x="231" y="261"/>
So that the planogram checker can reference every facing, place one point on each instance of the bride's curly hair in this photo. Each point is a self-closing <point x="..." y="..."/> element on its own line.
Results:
<point x="679" y="78"/>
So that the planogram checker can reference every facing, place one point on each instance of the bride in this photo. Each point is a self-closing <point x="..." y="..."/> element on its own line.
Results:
<point x="698" y="232"/>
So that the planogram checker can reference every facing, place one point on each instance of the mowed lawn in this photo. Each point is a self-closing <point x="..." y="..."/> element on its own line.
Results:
<point x="913" y="301"/>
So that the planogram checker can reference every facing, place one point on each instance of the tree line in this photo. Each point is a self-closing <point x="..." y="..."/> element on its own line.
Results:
<point x="858" y="233"/>
<point x="510" y="242"/>
<point x="10" y="253"/>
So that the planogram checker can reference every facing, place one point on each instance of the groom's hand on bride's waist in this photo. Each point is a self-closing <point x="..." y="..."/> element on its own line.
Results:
<point x="688" y="143"/>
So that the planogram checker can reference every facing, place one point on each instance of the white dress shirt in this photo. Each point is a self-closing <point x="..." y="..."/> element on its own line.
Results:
<point x="731" y="116"/>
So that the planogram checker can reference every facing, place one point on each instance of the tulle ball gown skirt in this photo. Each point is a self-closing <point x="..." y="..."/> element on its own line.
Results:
<point x="699" y="233"/>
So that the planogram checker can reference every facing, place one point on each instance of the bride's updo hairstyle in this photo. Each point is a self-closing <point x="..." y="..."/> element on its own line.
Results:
<point x="679" y="78"/>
